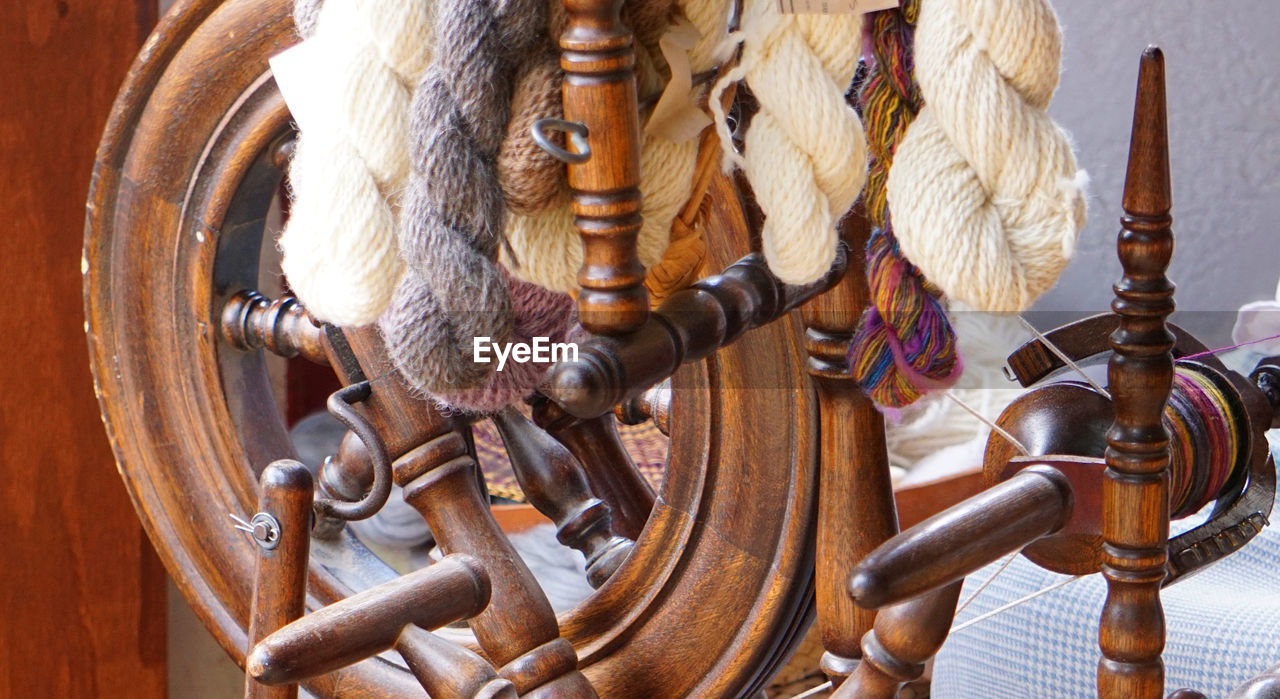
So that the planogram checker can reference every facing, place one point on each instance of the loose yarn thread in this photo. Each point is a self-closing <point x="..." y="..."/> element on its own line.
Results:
<point x="452" y="290"/>
<point x="905" y="344"/>
<point x="805" y="152"/>
<point x="986" y="197"/>
<point x="339" y="247"/>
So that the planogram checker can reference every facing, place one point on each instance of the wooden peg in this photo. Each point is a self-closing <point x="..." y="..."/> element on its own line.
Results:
<point x="1135" y="525"/>
<point x="370" y="622"/>
<point x="280" y="572"/>
<point x="447" y="669"/>
<point x="956" y="542"/>
<point x="599" y="92"/>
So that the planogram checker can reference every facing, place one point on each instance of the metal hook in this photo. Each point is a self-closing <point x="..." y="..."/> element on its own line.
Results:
<point x="577" y="132"/>
<point x="339" y="405"/>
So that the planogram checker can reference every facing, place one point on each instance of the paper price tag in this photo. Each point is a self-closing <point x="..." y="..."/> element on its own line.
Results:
<point x="833" y="7"/>
<point x="297" y="77"/>
<point x="676" y="117"/>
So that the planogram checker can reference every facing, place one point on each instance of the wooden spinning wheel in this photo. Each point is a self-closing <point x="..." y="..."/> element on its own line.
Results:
<point x="192" y="157"/>
<point x="703" y="589"/>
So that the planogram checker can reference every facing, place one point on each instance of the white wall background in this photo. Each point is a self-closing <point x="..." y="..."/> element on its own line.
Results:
<point x="1223" y="65"/>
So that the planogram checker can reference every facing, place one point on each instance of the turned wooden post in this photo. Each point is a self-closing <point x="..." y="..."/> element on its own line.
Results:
<point x="433" y="464"/>
<point x="280" y="573"/>
<point x="1135" y="494"/>
<point x="611" y="473"/>
<point x="856" y="511"/>
<point x="691" y="324"/>
<point x="555" y="484"/>
<point x="599" y="92"/>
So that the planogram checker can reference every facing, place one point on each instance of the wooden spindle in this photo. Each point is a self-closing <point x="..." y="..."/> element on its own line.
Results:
<point x="599" y="92"/>
<point x="690" y="325"/>
<point x="518" y="630"/>
<point x="554" y="482"/>
<point x="280" y="572"/>
<point x="370" y="622"/>
<point x="904" y="637"/>
<point x="610" y="472"/>
<point x="250" y="321"/>
<point x="856" y="511"/>
<point x="447" y="669"/>
<point x="651" y="404"/>
<point x="1135" y="493"/>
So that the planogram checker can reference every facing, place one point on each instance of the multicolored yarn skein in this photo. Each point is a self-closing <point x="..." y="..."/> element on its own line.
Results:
<point x="452" y="290"/>
<point x="905" y="344"/>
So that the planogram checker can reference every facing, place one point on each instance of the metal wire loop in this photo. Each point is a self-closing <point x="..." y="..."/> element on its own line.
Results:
<point x="577" y="132"/>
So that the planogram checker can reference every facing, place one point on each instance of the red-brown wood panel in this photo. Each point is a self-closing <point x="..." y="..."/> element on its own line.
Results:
<point x="81" y="592"/>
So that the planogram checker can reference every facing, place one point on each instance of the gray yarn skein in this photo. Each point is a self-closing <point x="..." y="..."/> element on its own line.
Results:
<point x="454" y="211"/>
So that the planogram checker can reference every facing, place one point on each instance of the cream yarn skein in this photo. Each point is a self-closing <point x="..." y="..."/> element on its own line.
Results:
<point x="339" y="245"/>
<point x="805" y="152"/>
<point x="984" y="190"/>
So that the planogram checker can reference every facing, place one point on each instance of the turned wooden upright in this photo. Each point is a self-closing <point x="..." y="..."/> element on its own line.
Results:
<point x="855" y="493"/>
<point x="1135" y="494"/>
<point x="599" y="91"/>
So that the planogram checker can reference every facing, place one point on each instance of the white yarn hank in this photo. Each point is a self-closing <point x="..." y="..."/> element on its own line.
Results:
<point x="352" y="160"/>
<point x="984" y="191"/>
<point x="548" y="250"/>
<point x="805" y="153"/>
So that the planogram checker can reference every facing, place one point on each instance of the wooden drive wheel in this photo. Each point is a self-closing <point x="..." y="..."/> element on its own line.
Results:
<point x="718" y="588"/>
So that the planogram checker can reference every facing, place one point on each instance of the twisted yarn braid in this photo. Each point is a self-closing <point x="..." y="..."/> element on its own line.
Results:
<point x="805" y="153"/>
<point x="538" y="312"/>
<point x="339" y="245"/>
<point x="545" y="246"/>
<point x="905" y="344"/>
<point x="454" y="209"/>
<point x="986" y="197"/>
